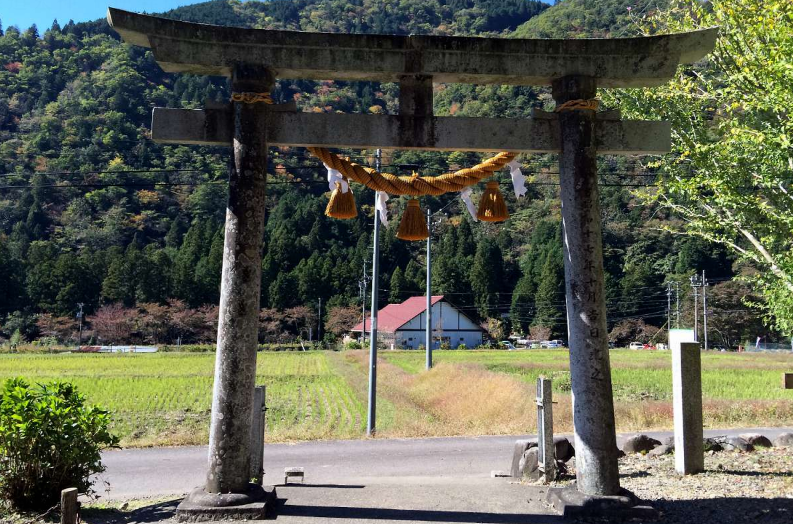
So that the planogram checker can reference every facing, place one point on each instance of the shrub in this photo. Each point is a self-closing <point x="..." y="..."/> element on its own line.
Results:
<point x="49" y="440"/>
<point x="353" y="345"/>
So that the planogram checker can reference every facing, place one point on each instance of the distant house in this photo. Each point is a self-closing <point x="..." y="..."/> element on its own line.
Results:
<point x="403" y="325"/>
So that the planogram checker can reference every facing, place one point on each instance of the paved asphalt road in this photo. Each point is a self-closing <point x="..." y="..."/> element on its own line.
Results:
<point x="135" y="473"/>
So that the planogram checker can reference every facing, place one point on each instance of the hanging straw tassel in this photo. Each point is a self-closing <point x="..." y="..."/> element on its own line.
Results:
<point x="492" y="207"/>
<point x="413" y="225"/>
<point x="341" y="204"/>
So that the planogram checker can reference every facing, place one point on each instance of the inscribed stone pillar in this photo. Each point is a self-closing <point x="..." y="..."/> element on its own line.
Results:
<point x="590" y="373"/>
<point x="235" y="363"/>
<point x="687" y="403"/>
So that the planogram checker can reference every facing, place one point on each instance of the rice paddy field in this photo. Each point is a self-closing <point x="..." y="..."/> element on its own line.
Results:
<point x="165" y="398"/>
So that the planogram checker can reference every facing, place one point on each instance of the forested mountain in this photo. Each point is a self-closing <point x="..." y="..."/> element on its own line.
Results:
<point x="93" y="212"/>
<point x="589" y="19"/>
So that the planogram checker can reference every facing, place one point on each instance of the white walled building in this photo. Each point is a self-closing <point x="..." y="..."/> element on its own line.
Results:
<point x="402" y="326"/>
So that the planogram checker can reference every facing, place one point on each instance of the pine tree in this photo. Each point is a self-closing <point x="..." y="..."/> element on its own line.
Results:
<point x="486" y="278"/>
<point x="154" y="284"/>
<point x="114" y="286"/>
<point x="208" y="271"/>
<point x="550" y="303"/>
<point x="415" y="280"/>
<point x="522" y="311"/>
<point x="397" y="290"/>
<point x="11" y="289"/>
<point x="190" y="253"/>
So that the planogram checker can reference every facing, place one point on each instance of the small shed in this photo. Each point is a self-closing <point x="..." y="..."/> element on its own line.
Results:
<point x="402" y="326"/>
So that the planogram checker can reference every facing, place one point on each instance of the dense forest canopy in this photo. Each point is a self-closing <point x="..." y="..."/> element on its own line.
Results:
<point x="93" y="212"/>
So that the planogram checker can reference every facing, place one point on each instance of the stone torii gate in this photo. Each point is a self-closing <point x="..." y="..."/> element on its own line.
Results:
<point x="254" y="58"/>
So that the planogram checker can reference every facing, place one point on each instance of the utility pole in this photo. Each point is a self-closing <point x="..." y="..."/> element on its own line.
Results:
<point x="80" y="317"/>
<point x="428" y="336"/>
<point x="695" y="284"/>
<point x="319" y="321"/>
<point x="371" y="417"/>
<point x="362" y="287"/>
<point x="704" y="282"/>
<point x="677" y="299"/>
<point x="669" y="314"/>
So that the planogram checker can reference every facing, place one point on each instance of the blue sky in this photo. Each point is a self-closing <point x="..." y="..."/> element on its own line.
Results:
<point x="23" y="13"/>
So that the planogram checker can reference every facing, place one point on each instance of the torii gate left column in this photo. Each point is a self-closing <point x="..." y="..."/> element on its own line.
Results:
<point x="228" y="489"/>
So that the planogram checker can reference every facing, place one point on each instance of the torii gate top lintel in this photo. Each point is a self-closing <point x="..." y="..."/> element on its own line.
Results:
<point x="415" y="62"/>
<point x="185" y="47"/>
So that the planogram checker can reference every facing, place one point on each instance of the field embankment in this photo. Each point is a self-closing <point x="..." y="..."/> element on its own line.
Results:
<point x="165" y="399"/>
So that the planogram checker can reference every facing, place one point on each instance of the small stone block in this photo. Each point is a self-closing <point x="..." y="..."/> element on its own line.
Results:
<point x="571" y="503"/>
<point x="517" y="454"/>
<point x="294" y="473"/>
<point x="787" y="380"/>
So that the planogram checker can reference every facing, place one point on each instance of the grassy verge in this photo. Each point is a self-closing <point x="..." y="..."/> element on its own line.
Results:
<point x="738" y="389"/>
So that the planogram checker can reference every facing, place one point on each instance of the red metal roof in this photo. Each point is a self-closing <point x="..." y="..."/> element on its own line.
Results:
<point x="394" y="316"/>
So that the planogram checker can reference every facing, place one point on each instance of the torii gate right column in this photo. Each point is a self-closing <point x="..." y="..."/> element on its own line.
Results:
<point x="590" y="372"/>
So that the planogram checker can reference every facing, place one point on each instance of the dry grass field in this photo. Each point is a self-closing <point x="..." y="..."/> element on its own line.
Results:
<point x="738" y="389"/>
<point x="164" y="399"/>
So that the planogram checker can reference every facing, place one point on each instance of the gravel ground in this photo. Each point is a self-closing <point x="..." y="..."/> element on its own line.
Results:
<point x="736" y="487"/>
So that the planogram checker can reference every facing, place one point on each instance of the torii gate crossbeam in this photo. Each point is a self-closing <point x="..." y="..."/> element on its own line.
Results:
<point x="254" y="58"/>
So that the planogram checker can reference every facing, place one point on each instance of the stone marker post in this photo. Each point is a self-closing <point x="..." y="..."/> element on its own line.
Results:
<point x="257" y="434"/>
<point x="235" y="363"/>
<point x="547" y="451"/>
<point x="687" y="402"/>
<point x="590" y="373"/>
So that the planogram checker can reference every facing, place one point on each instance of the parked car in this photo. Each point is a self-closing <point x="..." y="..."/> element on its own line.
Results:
<point x="551" y="344"/>
<point x="506" y="344"/>
<point x="635" y="345"/>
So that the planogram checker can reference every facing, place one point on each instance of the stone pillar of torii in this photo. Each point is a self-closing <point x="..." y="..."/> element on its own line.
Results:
<point x="254" y="58"/>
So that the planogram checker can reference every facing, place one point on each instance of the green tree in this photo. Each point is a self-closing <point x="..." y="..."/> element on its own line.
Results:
<point x="397" y="289"/>
<point x="550" y="304"/>
<point x="486" y="278"/>
<point x="11" y="275"/>
<point x="116" y="285"/>
<point x="729" y="176"/>
<point x="522" y="309"/>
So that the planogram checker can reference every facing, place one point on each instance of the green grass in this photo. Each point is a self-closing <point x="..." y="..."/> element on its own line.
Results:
<point x="165" y="398"/>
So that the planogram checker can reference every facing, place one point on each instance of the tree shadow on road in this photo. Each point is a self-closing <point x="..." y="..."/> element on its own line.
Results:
<point x="723" y="510"/>
<point x="356" y="514"/>
<point x="157" y="512"/>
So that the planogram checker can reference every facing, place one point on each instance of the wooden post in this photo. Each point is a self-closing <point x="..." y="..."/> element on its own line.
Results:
<point x="235" y="363"/>
<point x="590" y="373"/>
<point x="69" y="506"/>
